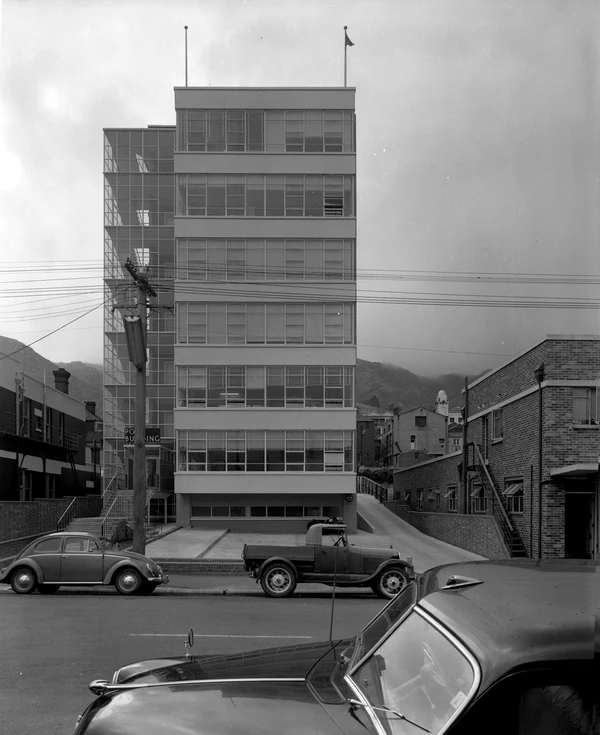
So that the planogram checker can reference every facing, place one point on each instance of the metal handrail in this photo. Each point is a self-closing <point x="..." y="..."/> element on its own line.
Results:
<point x="504" y="514"/>
<point x="60" y="524"/>
<point x="114" y="479"/>
<point x="370" y="487"/>
<point x="122" y="504"/>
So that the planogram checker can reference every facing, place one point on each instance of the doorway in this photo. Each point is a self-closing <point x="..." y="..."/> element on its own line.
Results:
<point x="579" y="525"/>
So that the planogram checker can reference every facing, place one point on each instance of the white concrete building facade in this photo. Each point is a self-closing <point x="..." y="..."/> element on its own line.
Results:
<point x="265" y="304"/>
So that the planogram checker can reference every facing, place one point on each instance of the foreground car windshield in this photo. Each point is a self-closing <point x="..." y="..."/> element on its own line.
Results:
<point x="385" y="620"/>
<point x="420" y="674"/>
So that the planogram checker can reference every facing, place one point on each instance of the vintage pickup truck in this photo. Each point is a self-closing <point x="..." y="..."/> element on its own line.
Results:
<point x="327" y="557"/>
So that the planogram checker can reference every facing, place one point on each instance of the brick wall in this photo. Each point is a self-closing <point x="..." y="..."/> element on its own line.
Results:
<point x="438" y="474"/>
<point x="20" y="520"/>
<point x="477" y="533"/>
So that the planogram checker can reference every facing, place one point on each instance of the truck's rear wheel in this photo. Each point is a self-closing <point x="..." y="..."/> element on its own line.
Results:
<point x="278" y="580"/>
<point x="391" y="581"/>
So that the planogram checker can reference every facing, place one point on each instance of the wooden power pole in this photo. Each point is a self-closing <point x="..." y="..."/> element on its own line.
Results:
<point x="139" y="447"/>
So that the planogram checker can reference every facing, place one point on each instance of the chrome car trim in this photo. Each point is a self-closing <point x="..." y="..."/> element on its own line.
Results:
<point x="73" y="584"/>
<point x="455" y="581"/>
<point x="104" y="686"/>
<point x="361" y="698"/>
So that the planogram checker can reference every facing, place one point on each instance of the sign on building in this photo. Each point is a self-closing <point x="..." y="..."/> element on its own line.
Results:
<point x="152" y="434"/>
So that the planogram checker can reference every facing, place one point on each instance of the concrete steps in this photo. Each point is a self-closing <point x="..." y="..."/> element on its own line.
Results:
<point x="89" y="525"/>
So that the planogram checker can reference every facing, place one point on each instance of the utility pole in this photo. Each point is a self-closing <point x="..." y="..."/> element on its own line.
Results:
<point x="139" y="447"/>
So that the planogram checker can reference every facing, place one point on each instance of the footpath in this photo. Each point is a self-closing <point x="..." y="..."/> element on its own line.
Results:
<point x="209" y="562"/>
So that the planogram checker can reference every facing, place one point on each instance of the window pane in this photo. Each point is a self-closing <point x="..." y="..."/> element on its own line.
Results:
<point x="275" y="451"/>
<point x="314" y="196"/>
<point x="216" y="130"/>
<point x="255" y="131"/>
<point x="275" y="323"/>
<point x="275" y="197"/>
<point x="216" y="196"/>
<point x="255" y="196"/>
<point x="274" y="126"/>
<point x="256" y="323"/>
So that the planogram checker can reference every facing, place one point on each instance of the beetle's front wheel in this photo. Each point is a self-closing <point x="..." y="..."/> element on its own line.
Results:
<point x="23" y="581"/>
<point x="128" y="581"/>
<point x="278" y="580"/>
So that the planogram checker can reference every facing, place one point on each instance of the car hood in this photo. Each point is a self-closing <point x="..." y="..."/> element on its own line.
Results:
<point x="376" y="551"/>
<point x="128" y="555"/>
<point x="250" y="693"/>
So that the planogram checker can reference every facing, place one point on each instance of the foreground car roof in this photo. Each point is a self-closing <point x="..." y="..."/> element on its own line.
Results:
<point x="522" y="612"/>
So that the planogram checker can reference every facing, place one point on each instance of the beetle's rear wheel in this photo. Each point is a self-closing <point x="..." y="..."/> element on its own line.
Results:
<point x="278" y="580"/>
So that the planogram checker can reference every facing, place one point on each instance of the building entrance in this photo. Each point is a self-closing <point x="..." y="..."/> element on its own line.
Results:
<point x="579" y="525"/>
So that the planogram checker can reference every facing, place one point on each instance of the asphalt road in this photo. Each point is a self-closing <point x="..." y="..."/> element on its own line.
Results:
<point x="51" y="648"/>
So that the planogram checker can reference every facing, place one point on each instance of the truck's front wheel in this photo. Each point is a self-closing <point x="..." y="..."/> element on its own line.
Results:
<point x="391" y="581"/>
<point x="278" y="580"/>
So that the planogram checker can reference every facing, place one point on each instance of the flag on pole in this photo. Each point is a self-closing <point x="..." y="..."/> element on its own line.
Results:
<point x="348" y="41"/>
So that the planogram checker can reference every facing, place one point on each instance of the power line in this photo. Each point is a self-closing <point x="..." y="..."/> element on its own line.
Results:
<point x="58" y="329"/>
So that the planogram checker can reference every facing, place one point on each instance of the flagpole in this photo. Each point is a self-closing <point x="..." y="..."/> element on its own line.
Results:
<point x="345" y="53"/>
<point x="186" y="57"/>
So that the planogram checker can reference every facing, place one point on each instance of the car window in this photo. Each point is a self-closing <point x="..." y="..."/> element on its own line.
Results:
<point x="76" y="544"/>
<point x="93" y="545"/>
<point x="418" y="672"/>
<point x="49" y="544"/>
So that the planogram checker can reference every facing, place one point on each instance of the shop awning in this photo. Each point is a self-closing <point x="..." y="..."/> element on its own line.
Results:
<point x="575" y="470"/>
<point x="512" y="489"/>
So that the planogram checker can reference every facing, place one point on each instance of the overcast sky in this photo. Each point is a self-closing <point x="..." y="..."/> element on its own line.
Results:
<point x="478" y="153"/>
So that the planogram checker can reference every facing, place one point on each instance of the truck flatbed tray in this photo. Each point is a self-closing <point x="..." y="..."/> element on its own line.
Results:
<point x="293" y="553"/>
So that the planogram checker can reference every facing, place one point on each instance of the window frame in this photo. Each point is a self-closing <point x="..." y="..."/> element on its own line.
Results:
<point x="498" y="425"/>
<point x="515" y="500"/>
<point x="590" y="402"/>
<point x="478" y="498"/>
<point x="451" y="497"/>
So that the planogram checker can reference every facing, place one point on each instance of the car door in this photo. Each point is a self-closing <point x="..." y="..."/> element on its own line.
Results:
<point x="46" y="554"/>
<point x="81" y="561"/>
<point x="330" y="558"/>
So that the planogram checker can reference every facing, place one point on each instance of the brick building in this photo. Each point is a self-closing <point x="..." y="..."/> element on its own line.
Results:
<point x="409" y="437"/>
<point x="526" y="483"/>
<point x="43" y="432"/>
<point x="369" y="424"/>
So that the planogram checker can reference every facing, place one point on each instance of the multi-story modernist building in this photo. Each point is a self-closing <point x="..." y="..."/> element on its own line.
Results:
<point x="255" y="265"/>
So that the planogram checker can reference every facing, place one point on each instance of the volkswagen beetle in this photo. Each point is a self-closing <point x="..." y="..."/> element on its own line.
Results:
<point x="501" y="648"/>
<point x="79" y="559"/>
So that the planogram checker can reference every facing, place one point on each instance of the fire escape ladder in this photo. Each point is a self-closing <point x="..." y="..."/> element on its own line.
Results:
<point x="510" y="533"/>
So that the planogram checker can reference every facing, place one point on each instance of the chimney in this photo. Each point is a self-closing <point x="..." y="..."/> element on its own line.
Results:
<point x="61" y="380"/>
<point x="90" y="407"/>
